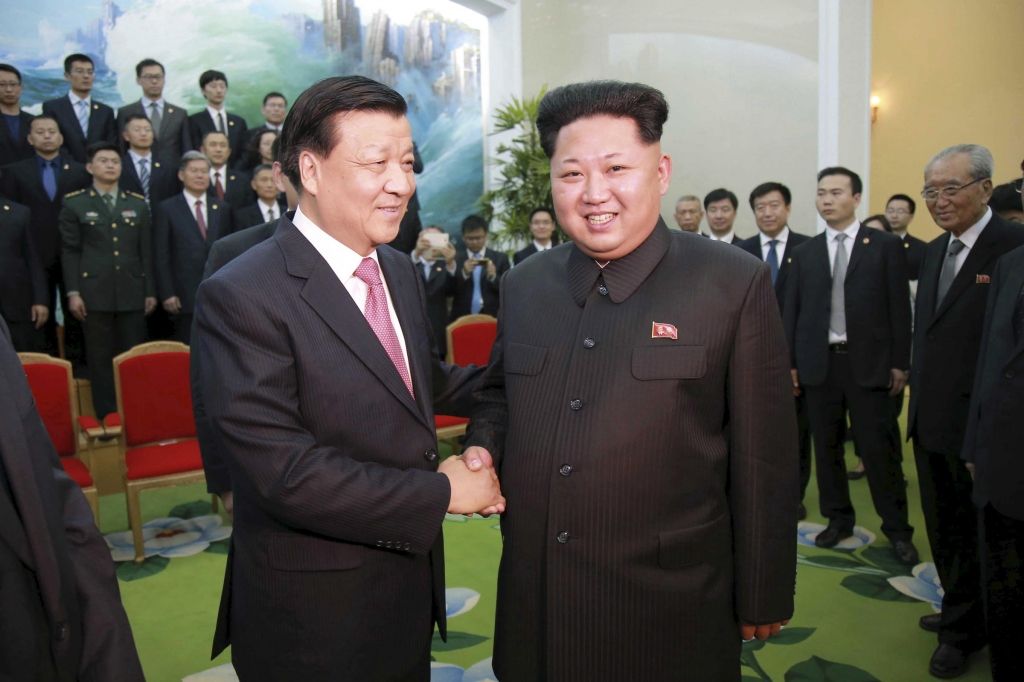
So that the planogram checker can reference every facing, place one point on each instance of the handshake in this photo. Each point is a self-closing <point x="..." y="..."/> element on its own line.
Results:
<point x="475" y="487"/>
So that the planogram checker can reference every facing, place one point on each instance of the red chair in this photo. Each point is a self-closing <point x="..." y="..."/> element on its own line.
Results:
<point x="469" y="343"/>
<point x="154" y="424"/>
<point x="53" y="388"/>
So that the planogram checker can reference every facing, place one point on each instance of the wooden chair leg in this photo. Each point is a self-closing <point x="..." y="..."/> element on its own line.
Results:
<point x="135" y="521"/>
<point x="214" y="500"/>
<point x="93" y="498"/>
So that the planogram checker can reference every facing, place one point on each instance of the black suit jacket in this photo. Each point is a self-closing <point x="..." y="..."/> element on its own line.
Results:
<point x="463" y="287"/>
<point x="102" y="125"/>
<point x="439" y="286"/>
<point x="199" y="124"/>
<point x="877" y="308"/>
<point x="947" y="340"/>
<point x="174" y="137"/>
<point x="251" y="216"/>
<point x="61" y="602"/>
<point x="163" y="182"/>
<point x="914" y="250"/>
<point x="11" y="149"/>
<point x="179" y="251"/>
<point x="21" y="182"/>
<point x="753" y="247"/>
<point x="521" y="255"/>
<point x="677" y="549"/>
<point x="237" y="189"/>
<point x="336" y="567"/>
<point x="995" y="429"/>
<point x="22" y="279"/>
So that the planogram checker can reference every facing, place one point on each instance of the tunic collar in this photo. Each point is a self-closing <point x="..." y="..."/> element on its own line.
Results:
<point x="622" y="276"/>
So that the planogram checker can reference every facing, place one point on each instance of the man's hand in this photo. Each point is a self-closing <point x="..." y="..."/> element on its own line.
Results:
<point x="899" y="380"/>
<point x="761" y="632"/>
<point x="150" y="304"/>
<point x="477" y="458"/>
<point x="422" y="246"/>
<point x="970" y="467"/>
<point x="40" y="314"/>
<point x="228" y="500"/>
<point x="472" y="491"/>
<point x="173" y="305"/>
<point x="469" y="266"/>
<point x="448" y="253"/>
<point x="796" y="383"/>
<point x="492" y="271"/>
<point x="77" y="307"/>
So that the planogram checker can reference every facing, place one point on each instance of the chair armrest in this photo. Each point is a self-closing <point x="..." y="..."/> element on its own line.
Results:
<point x="112" y="424"/>
<point x="91" y="427"/>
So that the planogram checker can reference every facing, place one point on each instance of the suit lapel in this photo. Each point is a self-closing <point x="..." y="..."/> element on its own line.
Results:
<point x="400" y="286"/>
<point x="95" y="124"/>
<point x="857" y="249"/>
<point x="213" y="223"/>
<point x="821" y="255"/>
<point x="67" y="112"/>
<point x="977" y="257"/>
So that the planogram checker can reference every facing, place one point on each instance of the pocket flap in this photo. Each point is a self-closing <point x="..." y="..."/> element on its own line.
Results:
<point x="521" y="358"/>
<point x="307" y="553"/>
<point x="696" y="545"/>
<point x="669" y="362"/>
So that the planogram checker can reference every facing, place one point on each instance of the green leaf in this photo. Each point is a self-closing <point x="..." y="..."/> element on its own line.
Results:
<point x="129" y="570"/>
<point x="832" y="561"/>
<point x="748" y="678"/>
<point x="817" y="669"/>
<point x="885" y="559"/>
<point x="754" y="645"/>
<point x="219" y="547"/>
<point x="790" y="636"/>
<point x="875" y="587"/>
<point x="455" y="518"/>
<point x="192" y="509"/>
<point x="456" y="641"/>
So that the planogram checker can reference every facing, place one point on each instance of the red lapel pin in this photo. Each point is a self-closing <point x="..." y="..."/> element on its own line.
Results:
<point x="662" y="330"/>
<point x="982" y="279"/>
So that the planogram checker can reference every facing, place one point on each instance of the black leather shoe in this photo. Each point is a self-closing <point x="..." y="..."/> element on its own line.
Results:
<point x="948" y="662"/>
<point x="832" y="536"/>
<point x="801" y="512"/>
<point x="854" y="475"/>
<point x="905" y="552"/>
<point x="930" y="622"/>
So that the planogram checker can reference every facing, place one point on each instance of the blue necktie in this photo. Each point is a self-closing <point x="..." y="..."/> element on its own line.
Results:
<point x="49" y="179"/>
<point x="478" y="297"/>
<point x="773" y="259"/>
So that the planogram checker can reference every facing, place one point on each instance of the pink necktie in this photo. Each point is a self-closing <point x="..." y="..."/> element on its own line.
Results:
<point x="199" y="219"/>
<point x="379" y="317"/>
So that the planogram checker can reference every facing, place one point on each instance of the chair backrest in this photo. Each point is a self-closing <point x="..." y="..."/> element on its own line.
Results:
<point x="154" y="395"/>
<point x="52" y="387"/>
<point x="470" y="339"/>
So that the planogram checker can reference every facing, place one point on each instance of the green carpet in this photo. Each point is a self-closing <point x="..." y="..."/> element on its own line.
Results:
<point x="851" y="624"/>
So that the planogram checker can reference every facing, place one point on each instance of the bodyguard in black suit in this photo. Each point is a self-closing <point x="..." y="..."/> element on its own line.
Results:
<point x="24" y="300"/>
<point x="948" y="328"/>
<point x="171" y="135"/>
<point x="266" y="209"/>
<point x="771" y="202"/>
<point x="477" y="279"/>
<point x="542" y="227"/>
<point x="899" y="211"/>
<point x="233" y="187"/>
<point x="14" y="144"/>
<point x="161" y="177"/>
<point x="62" y="617"/>
<point x="77" y="106"/>
<point x="847" y="316"/>
<point x="721" y="205"/>
<point x="439" y="280"/>
<point x="992" y="446"/>
<point x="215" y="117"/>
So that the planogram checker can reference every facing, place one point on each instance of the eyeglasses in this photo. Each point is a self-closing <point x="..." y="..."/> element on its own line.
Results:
<point x="898" y="211"/>
<point x="947" y="192"/>
<point x="152" y="77"/>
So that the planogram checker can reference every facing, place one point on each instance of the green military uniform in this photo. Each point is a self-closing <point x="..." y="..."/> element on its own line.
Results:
<point x="106" y="260"/>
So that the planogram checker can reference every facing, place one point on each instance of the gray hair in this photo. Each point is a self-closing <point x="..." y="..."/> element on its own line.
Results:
<point x="687" y="197"/>
<point x="193" y="156"/>
<point x="982" y="163"/>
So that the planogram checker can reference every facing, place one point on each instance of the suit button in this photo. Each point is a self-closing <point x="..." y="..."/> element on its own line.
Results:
<point x="576" y="404"/>
<point x="407" y="547"/>
<point x="380" y="543"/>
<point x="430" y="455"/>
<point x="589" y="343"/>
<point x="117" y="253"/>
<point x="61" y="632"/>
<point x="565" y="469"/>
<point x="603" y="290"/>
<point x="85" y="274"/>
<point x="563" y="537"/>
<point x="115" y="239"/>
<point x="1009" y="375"/>
<point x="117" y="267"/>
<point x="113" y="224"/>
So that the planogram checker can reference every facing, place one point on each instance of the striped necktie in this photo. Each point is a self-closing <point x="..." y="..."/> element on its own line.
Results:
<point x="83" y="116"/>
<point x="144" y="176"/>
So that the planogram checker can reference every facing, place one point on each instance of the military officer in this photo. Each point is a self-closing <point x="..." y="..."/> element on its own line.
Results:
<point x="106" y="258"/>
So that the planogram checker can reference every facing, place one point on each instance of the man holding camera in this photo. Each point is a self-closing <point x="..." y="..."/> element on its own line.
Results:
<point x="479" y="272"/>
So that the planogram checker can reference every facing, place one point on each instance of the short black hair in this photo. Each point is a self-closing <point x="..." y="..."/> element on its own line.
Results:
<point x="769" y="187"/>
<point x="209" y="76"/>
<point x="472" y="223"/>
<point x="886" y="225"/>
<point x="260" y="168"/>
<point x="10" y="69"/>
<point x="214" y="132"/>
<point x="310" y="125"/>
<point x="148" y="62"/>
<point x="77" y="57"/>
<point x="97" y="147"/>
<point x="855" y="182"/>
<point x="275" y="149"/>
<point x="720" y="194"/>
<point x="136" y="117"/>
<point x="274" y="94"/>
<point x="43" y="117"/>
<point x="902" y="197"/>
<point x="541" y="209"/>
<point x="1005" y="198"/>
<point x="569" y="103"/>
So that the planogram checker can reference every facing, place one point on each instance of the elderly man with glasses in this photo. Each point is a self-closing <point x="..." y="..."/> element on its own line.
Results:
<point x="952" y="290"/>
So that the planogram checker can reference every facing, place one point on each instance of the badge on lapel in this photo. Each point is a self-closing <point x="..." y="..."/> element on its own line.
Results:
<point x="129" y="214"/>
<point x="91" y="215"/>
<point x="662" y="330"/>
<point x="982" y="279"/>
<point x="866" y="240"/>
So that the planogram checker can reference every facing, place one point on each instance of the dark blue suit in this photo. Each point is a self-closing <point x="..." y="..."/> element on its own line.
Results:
<point x="102" y="125"/>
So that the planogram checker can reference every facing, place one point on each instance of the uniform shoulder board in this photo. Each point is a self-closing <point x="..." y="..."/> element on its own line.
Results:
<point x="136" y="195"/>
<point x="73" y="194"/>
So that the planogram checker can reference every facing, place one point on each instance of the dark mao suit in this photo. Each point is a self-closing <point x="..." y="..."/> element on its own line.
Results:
<point x="102" y="125"/>
<point x="651" y="482"/>
<point x="22" y="278"/>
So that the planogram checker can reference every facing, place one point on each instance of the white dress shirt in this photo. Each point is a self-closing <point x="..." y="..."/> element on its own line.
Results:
<point x="271" y="126"/>
<point x="223" y="171"/>
<point x="266" y="209"/>
<point x="727" y="238"/>
<point x="541" y="247"/>
<point x="192" y="206"/>
<point x="138" y="167"/>
<point x="343" y="262"/>
<point x="428" y="265"/>
<point x="214" y="113"/>
<point x="969" y="238"/>
<point x="780" y="248"/>
<point x="833" y="247"/>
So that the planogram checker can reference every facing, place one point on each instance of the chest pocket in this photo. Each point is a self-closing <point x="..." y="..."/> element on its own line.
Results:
<point x="669" y="362"/>
<point x="524" y="359"/>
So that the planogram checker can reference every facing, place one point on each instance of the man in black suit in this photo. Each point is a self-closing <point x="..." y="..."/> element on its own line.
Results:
<point x="83" y="121"/>
<point x="266" y="209"/>
<point x="142" y="172"/>
<point x="847" y="317"/>
<point x="187" y="225"/>
<point x="691" y="545"/>
<point x="408" y="232"/>
<point x="542" y="227"/>
<point x="992" y="452"/>
<point x="24" y="301"/>
<point x="233" y="187"/>
<point x="40" y="183"/>
<point x="771" y="203"/>
<point x="214" y="85"/>
<point x="14" y="144"/>
<point x="274" y="110"/>
<point x="336" y="568"/>
<point x="900" y="213"/>
<point x="437" y="266"/>
<point x="720" y="206"/>
<point x="62" y="617"/>
<point x="1005" y="202"/>
<point x="171" y="135"/>
<point x="689" y="213"/>
<point x="951" y="298"/>
<point x="479" y="272"/>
